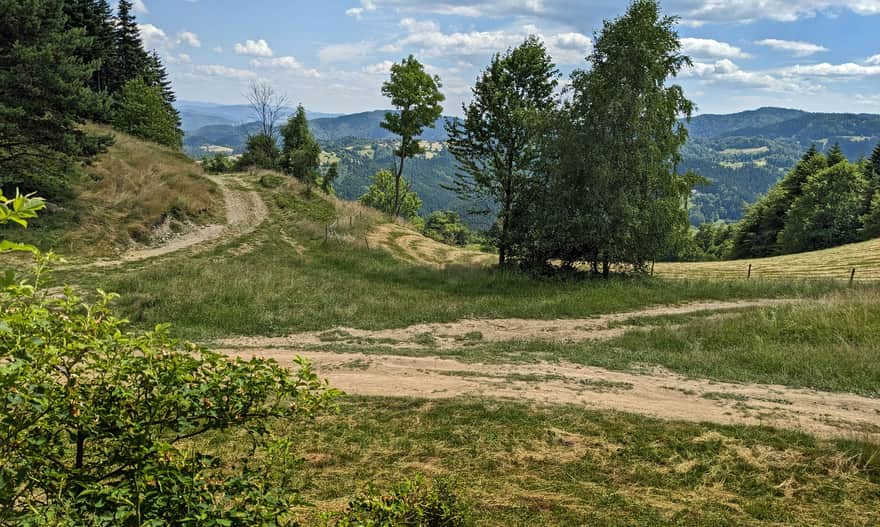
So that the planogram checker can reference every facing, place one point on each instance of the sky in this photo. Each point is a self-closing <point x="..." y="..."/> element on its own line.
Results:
<point x="333" y="55"/>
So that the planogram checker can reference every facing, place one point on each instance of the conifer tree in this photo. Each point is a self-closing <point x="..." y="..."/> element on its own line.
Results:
<point x="132" y="60"/>
<point x="329" y="178"/>
<point x="95" y="18"/>
<point x="835" y="155"/>
<point x="301" y="153"/>
<point x="43" y="97"/>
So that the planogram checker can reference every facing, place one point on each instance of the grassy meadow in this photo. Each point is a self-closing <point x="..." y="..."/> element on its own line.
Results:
<point x="309" y="266"/>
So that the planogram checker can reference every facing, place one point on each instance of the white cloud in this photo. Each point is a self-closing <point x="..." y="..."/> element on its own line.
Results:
<point x="153" y="37"/>
<point x="728" y="72"/>
<point x="140" y="7"/>
<point x="183" y="58"/>
<point x="358" y="12"/>
<point x="216" y="70"/>
<point x="709" y="48"/>
<point x="850" y="69"/>
<point x="868" y="100"/>
<point x="564" y="47"/>
<point x="381" y="68"/>
<point x="189" y="38"/>
<point x="798" y="48"/>
<point x="218" y="50"/>
<point x="345" y="52"/>
<point x="254" y="48"/>
<point x="285" y="63"/>
<point x="873" y="61"/>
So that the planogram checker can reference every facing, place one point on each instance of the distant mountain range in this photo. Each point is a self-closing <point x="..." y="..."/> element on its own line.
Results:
<point x="742" y="154"/>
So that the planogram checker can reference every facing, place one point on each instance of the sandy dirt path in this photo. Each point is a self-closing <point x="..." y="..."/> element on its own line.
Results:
<point x="245" y="211"/>
<point x="454" y="334"/>
<point x="655" y="393"/>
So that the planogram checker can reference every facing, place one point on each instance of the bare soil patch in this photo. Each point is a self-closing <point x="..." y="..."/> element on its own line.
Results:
<point x="417" y="248"/>
<point x="655" y="393"/>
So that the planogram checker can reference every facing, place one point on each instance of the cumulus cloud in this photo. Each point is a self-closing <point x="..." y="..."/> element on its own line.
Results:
<point x="709" y="48"/>
<point x="728" y="72"/>
<point x="254" y="48"/>
<point x="564" y="47"/>
<point x="285" y="63"/>
<point x="798" y="48"/>
<point x="873" y="61"/>
<point x="216" y="70"/>
<point x="358" y="12"/>
<point x="849" y="69"/>
<point x="140" y="7"/>
<point x="381" y="68"/>
<point x="189" y="38"/>
<point x="152" y="36"/>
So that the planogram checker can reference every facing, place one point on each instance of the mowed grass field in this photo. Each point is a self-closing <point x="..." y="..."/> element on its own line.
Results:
<point x="830" y="264"/>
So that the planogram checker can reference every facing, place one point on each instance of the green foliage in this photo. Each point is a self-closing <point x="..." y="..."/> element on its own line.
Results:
<point x="392" y="196"/>
<point x="824" y="201"/>
<point x="871" y="220"/>
<point x="133" y="60"/>
<point x="218" y="164"/>
<point x="417" y="98"/>
<point x="43" y="98"/>
<point x="606" y="189"/>
<point x="143" y="112"/>
<point x="261" y="152"/>
<point x="826" y="214"/>
<point x="330" y="176"/>
<point x="301" y="153"/>
<point x="446" y="226"/>
<point x="496" y="145"/>
<point x="412" y="503"/>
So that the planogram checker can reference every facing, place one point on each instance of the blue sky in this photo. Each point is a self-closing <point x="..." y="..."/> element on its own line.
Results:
<point x="333" y="55"/>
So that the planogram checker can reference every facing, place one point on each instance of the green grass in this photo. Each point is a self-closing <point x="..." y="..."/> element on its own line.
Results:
<point x="276" y="290"/>
<point x="520" y="465"/>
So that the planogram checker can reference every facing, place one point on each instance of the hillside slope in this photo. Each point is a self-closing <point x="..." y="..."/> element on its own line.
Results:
<point x="134" y="194"/>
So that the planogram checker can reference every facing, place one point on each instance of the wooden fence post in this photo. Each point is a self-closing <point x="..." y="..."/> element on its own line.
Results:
<point x="749" y="277"/>
<point x="852" y="276"/>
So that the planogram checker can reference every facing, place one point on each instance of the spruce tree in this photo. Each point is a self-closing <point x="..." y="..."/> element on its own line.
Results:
<point x="875" y="161"/>
<point x="43" y="97"/>
<point x="301" y="153"/>
<point x="132" y="60"/>
<point x="835" y="155"/>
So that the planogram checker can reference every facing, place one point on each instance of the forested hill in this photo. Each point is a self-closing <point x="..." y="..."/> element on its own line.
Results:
<point x="742" y="154"/>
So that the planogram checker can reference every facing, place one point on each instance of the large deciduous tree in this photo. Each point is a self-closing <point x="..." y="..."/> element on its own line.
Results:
<point x="142" y="111"/>
<point x="392" y="196"/>
<point x="416" y="96"/>
<point x="495" y="144"/>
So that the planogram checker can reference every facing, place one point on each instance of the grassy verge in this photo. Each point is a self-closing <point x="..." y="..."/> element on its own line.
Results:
<point x="316" y="285"/>
<point x="522" y="465"/>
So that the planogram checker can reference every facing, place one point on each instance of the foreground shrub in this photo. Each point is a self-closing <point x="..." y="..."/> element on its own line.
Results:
<point x="409" y="504"/>
<point x="98" y="421"/>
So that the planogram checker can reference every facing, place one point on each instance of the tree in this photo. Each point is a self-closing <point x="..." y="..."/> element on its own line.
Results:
<point x="757" y="234"/>
<point x="43" y="98"/>
<point x="417" y="98"/>
<point x="606" y="189"/>
<point x="835" y="155"/>
<point x="446" y="226"/>
<point x="143" y="112"/>
<point x="301" y="153"/>
<point x="391" y="196"/>
<point x="495" y="146"/>
<point x="827" y="213"/>
<point x="267" y="105"/>
<point x="95" y="18"/>
<point x="329" y="178"/>
<point x="132" y="60"/>
<point x="261" y="151"/>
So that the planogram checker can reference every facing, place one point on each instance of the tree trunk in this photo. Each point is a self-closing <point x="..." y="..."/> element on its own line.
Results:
<point x="80" y="448"/>
<point x="397" y="181"/>
<point x="606" y="266"/>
